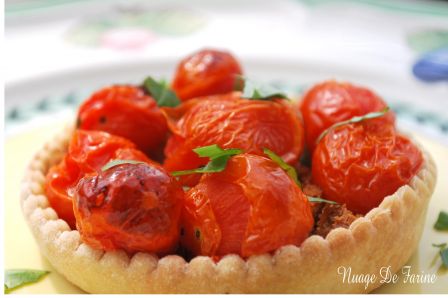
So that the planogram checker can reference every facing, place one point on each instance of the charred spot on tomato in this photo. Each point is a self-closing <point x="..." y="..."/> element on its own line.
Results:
<point x="197" y="233"/>
<point x="102" y="119"/>
<point x="182" y="232"/>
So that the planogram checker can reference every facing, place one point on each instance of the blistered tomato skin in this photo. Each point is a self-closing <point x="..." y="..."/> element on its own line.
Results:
<point x="252" y="207"/>
<point x="360" y="164"/>
<point x="88" y="151"/>
<point x="232" y="122"/>
<point x="59" y="180"/>
<point x="331" y="102"/>
<point x="126" y="111"/>
<point x="206" y="72"/>
<point x="135" y="207"/>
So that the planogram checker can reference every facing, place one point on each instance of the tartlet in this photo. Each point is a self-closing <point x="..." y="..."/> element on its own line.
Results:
<point x="386" y="236"/>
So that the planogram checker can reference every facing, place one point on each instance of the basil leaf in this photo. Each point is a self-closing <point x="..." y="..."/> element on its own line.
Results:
<point x="286" y="167"/>
<point x="252" y="90"/>
<point x="320" y="200"/>
<point x="355" y="119"/>
<point x="14" y="278"/>
<point x="163" y="95"/>
<point x="117" y="162"/>
<point x="444" y="256"/>
<point x="442" y="222"/>
<point x="218" y="160"/>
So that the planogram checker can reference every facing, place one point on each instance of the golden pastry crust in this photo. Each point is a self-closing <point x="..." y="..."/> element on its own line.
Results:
<point x="386" y="236"/>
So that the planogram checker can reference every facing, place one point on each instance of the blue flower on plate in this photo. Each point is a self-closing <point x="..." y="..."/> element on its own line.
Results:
<point x="432" y="66"/>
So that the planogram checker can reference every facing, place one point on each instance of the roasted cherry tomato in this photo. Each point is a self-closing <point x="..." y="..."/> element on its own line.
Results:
<point x="59" y="181"/>
<point x="88" y="152"/>
<point x="232" y="122"/>
<point x="252" y="207"/>
<point x="126" y="111"/>
<point x="331" y="102"/>
<point x="360" y="164"/>
<point x="206" y="72"/>
<point x="135" y="207"/>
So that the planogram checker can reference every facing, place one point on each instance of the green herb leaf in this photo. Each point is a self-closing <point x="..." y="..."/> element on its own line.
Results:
<point x="252" y="90"/>
<point x="355" y="119"/>
<point x="214" y="151"/>
<point x="440" y="245"/>
<point x="442" y="222"/>
<point x="117" y="162"/>
<point x="163" y="95"/>
<point x="14" y="278"/>
<point x="444" y="256"/>
<point x="320" y="200"/>
<point x="214" y="166"/>
<point x="286" y="167"/>
<point x="218" y="159"/>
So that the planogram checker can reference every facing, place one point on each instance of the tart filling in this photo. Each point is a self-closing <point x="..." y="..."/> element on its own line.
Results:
<point x="385" y="236"/>
<point x="208" y="192"/>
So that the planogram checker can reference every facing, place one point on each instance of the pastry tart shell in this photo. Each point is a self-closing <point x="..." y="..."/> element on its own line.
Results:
<point x="386" y="236"/>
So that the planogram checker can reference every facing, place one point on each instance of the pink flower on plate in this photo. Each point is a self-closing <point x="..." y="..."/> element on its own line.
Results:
<point x="127" y="38"/>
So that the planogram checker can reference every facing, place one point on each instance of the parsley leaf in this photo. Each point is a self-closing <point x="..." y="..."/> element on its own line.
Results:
<point x="117" y="162"/>
<point x="442" y="222"/>
<point x="14" y="278"/>
<point x="286" y="167"/>
<point x="163" y="95"/>
<point x="252" y="90"/>
<point x="320" y="200"/>
<point x="355" y="119"/>
<point x="218" y="160"/>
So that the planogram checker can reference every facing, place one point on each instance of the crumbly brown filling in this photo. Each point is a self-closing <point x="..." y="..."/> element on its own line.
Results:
<point x="326" y="216"/>
<point x="332" y="217"/>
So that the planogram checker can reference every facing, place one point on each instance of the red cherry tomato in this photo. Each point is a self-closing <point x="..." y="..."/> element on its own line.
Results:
<point x="232" y="122"/>
<point x="128" y="112"/>
<point x="331" y="102"/>
<point x="360" y="164"/>
<point x="59" y="180"/>
<point x="135" y="207"/>
<point x="252" y="207"/>
<point x="206" y="72"/>
<point x="88" y="152"/>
